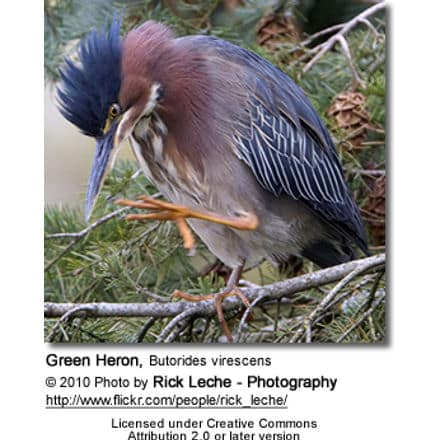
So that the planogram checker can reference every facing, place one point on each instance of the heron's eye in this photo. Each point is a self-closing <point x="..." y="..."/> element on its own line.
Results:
<point x="159" y="94"/>
<point x="114" y="111"/>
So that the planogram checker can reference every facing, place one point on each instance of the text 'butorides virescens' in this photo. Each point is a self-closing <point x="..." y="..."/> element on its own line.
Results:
<point x="228" y="138"/>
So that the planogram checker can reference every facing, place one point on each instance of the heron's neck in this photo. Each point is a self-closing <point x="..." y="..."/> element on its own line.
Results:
<point x="188" y="109"/>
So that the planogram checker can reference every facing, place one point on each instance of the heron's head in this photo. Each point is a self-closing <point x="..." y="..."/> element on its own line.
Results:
<point x="108" y="89"/>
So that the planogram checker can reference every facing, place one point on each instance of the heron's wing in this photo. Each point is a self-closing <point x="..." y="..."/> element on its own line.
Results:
<point x="284" y="142"/>
<point x="291" y="159"/>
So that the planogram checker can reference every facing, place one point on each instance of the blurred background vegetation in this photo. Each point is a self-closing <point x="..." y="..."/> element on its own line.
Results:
<point x="122" y="261"/>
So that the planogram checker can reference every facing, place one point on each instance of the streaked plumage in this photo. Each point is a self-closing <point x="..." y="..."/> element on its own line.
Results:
<point x="217" y="127"/>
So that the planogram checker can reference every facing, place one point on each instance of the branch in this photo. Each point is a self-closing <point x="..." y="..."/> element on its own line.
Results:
<point x="78" y="235"/>
<point x="246" y="315"/>
<point x="356" y="77"/>
<point x="371" y="173"/>
<point x="207" y="308"/>
<point x="148" y="324"/>
<point x="328" y="300"/>
<point x="172" y="326"/>
<point x="78" y="310"/>
<point x="339" y="37"/>
<point x="325" y="31"/>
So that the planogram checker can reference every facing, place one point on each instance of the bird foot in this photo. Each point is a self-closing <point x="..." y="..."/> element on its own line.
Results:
<point x="179" y="214"/>
<point x="167" y="211"/>
<point x="218" y="298"/>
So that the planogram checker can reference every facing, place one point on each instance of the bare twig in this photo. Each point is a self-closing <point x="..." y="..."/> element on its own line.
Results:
<point x="177" y="330"/>
<point x="78" y="235"/>
<point x="356" y="78"/>
<point x="375" y="64"/>
<point x="247" y="313"/>
<point x="81" y="310"/>
<point x="147" y="292"/>
<point x="372" y="173"/>
<point x="325" y="31"/>
<point x="372" y="328"/>
<point x="369" y="26"/>
<point x="340" y="298"/>
<point x="323" y="48"/>
<point x="374" y="288"/>
<point x="308" y="327"/>
<point x="148" y="324"/>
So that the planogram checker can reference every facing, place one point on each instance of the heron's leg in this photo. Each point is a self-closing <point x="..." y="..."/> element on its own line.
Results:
<point x="230" y="289"/>
<point x="179" y="213"/>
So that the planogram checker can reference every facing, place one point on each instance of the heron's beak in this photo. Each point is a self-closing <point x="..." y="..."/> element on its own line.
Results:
<point x="105" y="155"/>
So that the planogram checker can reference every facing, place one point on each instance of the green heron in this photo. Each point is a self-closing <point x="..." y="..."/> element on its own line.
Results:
<point x="230" y="140"/>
